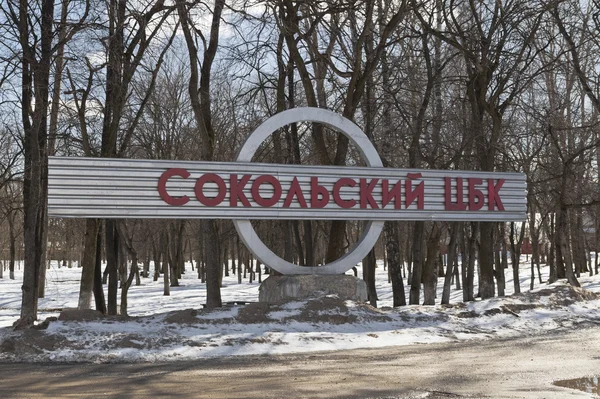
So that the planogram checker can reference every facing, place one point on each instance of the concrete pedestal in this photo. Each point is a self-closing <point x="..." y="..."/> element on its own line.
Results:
<point x="277" y="289"/>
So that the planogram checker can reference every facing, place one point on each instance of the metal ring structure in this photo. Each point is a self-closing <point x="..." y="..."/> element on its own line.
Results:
<point x="367" y="150"/>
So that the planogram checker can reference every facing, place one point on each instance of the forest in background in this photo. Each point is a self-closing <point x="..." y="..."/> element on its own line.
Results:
<point x="485" y="85"/>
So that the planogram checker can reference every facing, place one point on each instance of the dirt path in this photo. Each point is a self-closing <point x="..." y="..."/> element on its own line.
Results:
<point x="517" y="368"/>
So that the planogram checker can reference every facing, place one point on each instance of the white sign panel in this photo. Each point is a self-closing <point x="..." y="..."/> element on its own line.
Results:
<point x="126" y="188"/>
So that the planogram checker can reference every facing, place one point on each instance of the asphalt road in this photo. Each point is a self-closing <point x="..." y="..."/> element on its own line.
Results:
<point x="516" y="368"/>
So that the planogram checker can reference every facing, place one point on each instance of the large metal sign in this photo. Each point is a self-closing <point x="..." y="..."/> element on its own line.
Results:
<point x="128" y="188"/>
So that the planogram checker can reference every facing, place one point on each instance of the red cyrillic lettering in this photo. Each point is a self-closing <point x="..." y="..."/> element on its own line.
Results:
<point x="210" y="177"/>
<point x="366" y="193"/>
<point x="388" y="195"/>
<point x="162" y="186"/>
<point x="295" y="190"/>
<point x="459" y="205"/>
<point x="260" y="200"/>
<point x="494" y="194"/>
<point x="344" y="181"/>
<point x="236" y="190"/>
<point x="315" y="191"/>
<point x="418" y="193"/>
<point x="474" y="193"/>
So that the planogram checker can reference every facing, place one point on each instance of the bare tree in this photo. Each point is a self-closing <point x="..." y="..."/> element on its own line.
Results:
<point x="496" y="43"/>
<point x="199" y="91"/>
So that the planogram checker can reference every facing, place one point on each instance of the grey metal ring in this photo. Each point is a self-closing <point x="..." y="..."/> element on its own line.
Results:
<point x="373" y="228"/>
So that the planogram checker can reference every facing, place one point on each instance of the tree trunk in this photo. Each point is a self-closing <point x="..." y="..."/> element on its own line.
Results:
<point x="86" y="285"/>
<point x="146" y="270"/>
<point x="417" y="262"/>
<point x="394" y="267"/>
<point x="112" y="264"/>
<point x="504" y="247"/>
<point x="457" y="273"/>
<point x="213" y="288"/>
<point x="122" y="262"/>
<point x="429" y="271"/>
<point x="471" y="265"/>
<point x="98" y="290"/>
<point x="563" y="245"/>
<point x="43" y="267"/>
<point x="165" y="265"/>
<point x="309" y="255"/>
<point x="126" y="283"/>
<point x="239" y="262"/>
<point x="486" y="260"/>
<point x="233" y="256"/>
<point x="579" y="242"/>
<point x="369" y="265"/>
<point x="174" y="251"/>
<point x="226" y="258"/>
<point x="515" y="253"/>
<point x="464" y="256"/>
<point x="35" y="181"/>
<point x="259" y="270"/>
<point x="298" y="240"/>
<point x="156" y="257"/>
<point x="552" y="253"/>
<point x="125" y="286"/>
<point x="499" y="268"/>
<point x="450" y="265"/>
<point x="13" y="246"/>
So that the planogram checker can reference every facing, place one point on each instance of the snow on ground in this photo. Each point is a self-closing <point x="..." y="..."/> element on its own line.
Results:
<point x="176" y="327"/>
